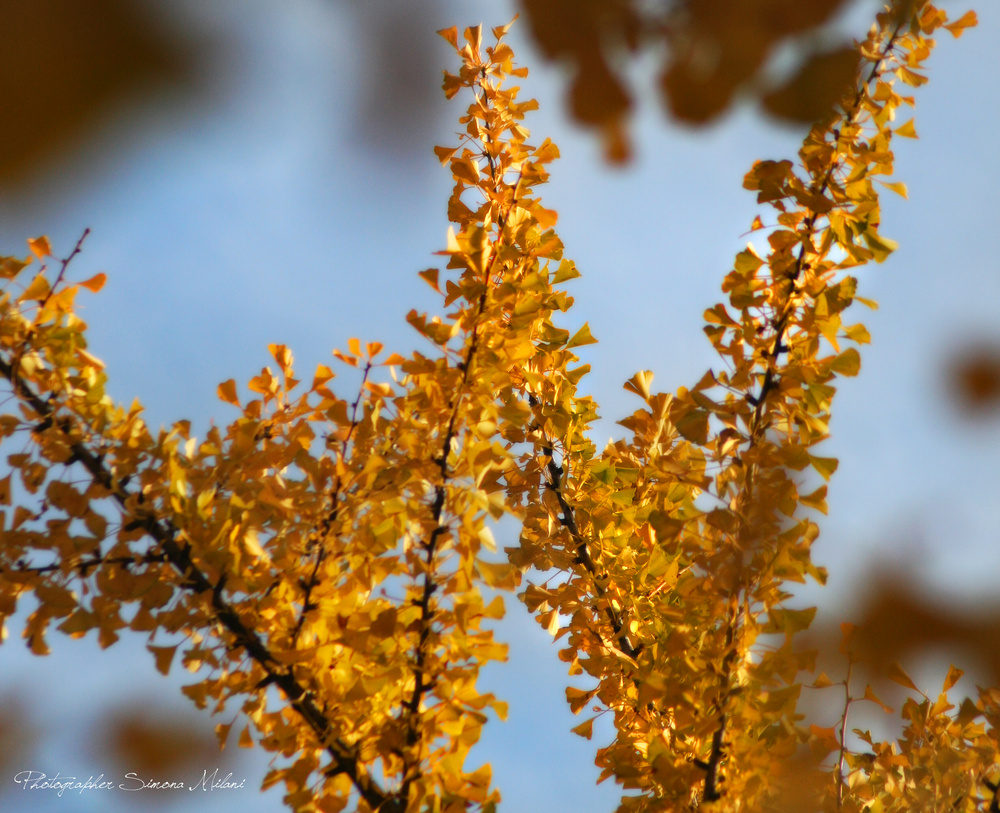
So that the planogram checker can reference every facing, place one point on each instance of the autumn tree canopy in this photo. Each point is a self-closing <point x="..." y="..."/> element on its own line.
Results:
<point x="326" y="565"/>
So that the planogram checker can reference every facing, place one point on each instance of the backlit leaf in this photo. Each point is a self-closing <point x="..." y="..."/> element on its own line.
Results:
<point x="870" y="695"/>
<point x="896" y="674"/>
<point x="40" y="247"/>
<point x="95" y="283"/>
<point x="581" y="337"/>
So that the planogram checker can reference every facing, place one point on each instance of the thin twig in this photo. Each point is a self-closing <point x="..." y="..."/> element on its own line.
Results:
<point x="345" y="757"/>
<point x="843" y="736"/>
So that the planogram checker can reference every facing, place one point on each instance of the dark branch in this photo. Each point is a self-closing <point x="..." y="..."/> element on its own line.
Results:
<point x="345" y="757"/>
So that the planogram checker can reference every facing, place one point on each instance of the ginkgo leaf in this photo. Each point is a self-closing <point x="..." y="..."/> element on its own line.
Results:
<point x="896" y="674"/>
<point x="954" y="675"/>
<point x="431" y="277"/>
<point x="222" y="732"/>
<point x="881" y="246"/>
<point x="847" y="363"/>
<point x="693" y="425"/>
<point x="826" y="466"/>
<point x="95" y="283"/>
<point x="896" y="186"/>
<point x="967" y="20"/>
<point x="581" y="337"/>
<point x="40" y="247"/>
<point x="639" y="383"/>
<point x="164" y="656"/>
<point x="822" y="681"/>
<point x="825" y="737"/>
<point x="10" y="267"/>
<point x="38" y="289"/>
<point x="816" y="499"/>
<point x="911" y="77"/>
<point x="445" y="154"/>
<point x="578" y="698"/>
<point x="858" y="333"/>
<point x="451" y="35"/>
<point x="870" y="695"/>
<point x="330" y="558"/>
<point x="567" y="270"/>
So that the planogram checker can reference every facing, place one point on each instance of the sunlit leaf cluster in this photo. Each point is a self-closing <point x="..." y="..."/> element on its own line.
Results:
<point x="325" y="565"/>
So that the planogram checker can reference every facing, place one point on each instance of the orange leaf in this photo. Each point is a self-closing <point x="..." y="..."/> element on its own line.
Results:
<point x="40" y="247"/>
<point x="164" y="657"/>
<point x="585" y="729"/>
<point x="95" y="283"/>
<point x="967" y="20"/>
<point x="450" y="34"/>
<point x="38" y="289"/>
<point x="227" y="392"/>
<point x="954" y="675"/>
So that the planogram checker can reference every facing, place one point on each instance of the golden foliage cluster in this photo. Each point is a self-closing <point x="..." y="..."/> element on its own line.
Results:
<point x="323" y="564"/>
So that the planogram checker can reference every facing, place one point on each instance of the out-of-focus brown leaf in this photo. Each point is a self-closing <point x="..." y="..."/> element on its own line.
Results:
<point x="787" y="17"/>
<point x="586" y="33"/>
<point x="154" y="742"/>
<point x="899" y="622"/>
<point x="694" y="96"/>
<point x="599" y="98"/>
<point x="721" y="45"/>
<point x="803" y="780"/>
<point x="567" y="28"/>
<point x="714" y="50"/>
<point x="63" y="64"/>
<point x="17" y="734"/>
<point x="819" y="84"/>
<point x="400" y="75"/>
<point x="974" y="378"/>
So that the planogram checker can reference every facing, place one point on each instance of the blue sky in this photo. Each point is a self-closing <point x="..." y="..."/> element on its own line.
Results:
<point x="273" y="211"/>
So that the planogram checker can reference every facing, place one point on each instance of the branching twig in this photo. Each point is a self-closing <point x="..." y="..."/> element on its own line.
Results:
<point x="84" y="565"/>
<point x="843" y="737"/>
<point x="330" y="517"/>
<point x="345" y="757"/>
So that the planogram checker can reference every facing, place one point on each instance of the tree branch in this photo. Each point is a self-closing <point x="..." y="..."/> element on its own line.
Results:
<point x="345" y="757"/>
<point x="330" y="517"/>
<point x="582" y="555"/>
<point x="843" y="737"/>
